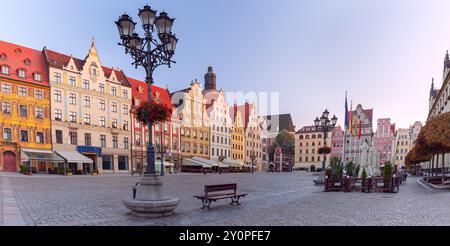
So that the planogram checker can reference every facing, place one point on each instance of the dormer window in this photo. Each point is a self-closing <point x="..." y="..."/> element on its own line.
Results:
<point x="18" y="51"/>
<point x="21" y="73"/>
<point x="37" y="77"/>
<point x="5" y="69"/>
<point x="3" y="56"/>
<point x="27" y="61"/>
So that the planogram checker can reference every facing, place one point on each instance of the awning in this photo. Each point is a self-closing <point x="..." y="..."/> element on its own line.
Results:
<point x="168" y="164"/>
<point x="74" y="156"/>
<point x="41" y="155"/>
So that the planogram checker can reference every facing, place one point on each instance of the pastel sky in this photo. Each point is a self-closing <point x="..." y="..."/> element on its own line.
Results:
<point x="382" y="52"/>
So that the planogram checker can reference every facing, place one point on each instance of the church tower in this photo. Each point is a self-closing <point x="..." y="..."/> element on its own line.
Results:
<point x="210" y="79"/>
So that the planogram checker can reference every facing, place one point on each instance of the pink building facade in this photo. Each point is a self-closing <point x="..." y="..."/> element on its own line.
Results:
<point x="384" y="138"/>
<point x="337" y="140"/>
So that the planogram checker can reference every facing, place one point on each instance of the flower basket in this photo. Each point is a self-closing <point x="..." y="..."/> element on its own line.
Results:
<point x="153" y="112"/>
<point x="324" y="150"/>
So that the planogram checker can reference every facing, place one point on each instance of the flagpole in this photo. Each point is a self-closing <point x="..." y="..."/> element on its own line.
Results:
<point x="345" y="130"/>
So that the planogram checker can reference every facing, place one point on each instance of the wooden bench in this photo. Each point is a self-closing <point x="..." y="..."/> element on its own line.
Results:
<point x="220" y="191"/>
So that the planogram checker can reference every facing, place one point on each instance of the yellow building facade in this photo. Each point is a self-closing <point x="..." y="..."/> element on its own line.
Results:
<point x="25" y="125"/>
<point x="238" y="137"/>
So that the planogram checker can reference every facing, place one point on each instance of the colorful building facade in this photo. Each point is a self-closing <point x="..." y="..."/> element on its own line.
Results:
<point x="25" y="124"/>
<point x="167" y="133"/>
<point x="238" y="135"/>
<point x="384" y="139"/>
<point x="90" y="108"/>
<point x="337" y="142"/>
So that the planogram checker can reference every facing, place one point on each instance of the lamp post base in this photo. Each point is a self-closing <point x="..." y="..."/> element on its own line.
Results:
<point x="150" y="201"/>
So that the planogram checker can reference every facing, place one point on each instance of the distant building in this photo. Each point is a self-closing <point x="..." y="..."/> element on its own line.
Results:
<point x="352" y="142"/>
<point x="272" y="126"/>
<point x="337" y="142"/>
<point x="307" y="142"/>
<point x="383" y="140"/>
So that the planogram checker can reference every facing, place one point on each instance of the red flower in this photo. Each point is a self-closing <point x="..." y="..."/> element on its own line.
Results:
<point x="153" y="112"/>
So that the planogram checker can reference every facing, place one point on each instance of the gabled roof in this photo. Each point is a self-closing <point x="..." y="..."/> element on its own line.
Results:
<point x="59" y="60"/>
<point x="17" y="56"/>
<point x="139" y="91"/>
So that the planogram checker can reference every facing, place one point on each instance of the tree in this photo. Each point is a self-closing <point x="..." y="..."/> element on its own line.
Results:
<point x="286" y="141"/>
<point x="436" y="137"/>
<point x="387" y="173"/>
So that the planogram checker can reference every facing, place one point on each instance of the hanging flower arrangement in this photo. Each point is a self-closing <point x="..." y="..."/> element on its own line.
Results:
<point x="153" y="112"/>
<point x="324" y="150"/>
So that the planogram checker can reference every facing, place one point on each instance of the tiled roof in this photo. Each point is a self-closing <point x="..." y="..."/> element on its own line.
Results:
<point x="139" y="91"/>
<point x="19" y="57"/>
<point x="59" y="60"/>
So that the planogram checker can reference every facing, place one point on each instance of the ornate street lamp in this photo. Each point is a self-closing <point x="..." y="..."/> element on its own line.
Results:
<point x="149" y="52"/>
<point x="324" y="124"/>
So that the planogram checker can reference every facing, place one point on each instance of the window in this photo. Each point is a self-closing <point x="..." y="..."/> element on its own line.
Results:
<point x="87" y="119"/>
<point x="86" y="84"/>
<point x="102" y="121"/>
<point x="24" y="136"/>
<point x="23" y="110"/>
<point x="115" y="142"/>
<point x="58" y="136"/>
<point x="6" y="88"/>
<point x="37" y="77"/>
<point x="125" y="93"/>
<point x="39" y="113"/>
<point x="73" y="138"/>
<point x="73" y="98"/>
<point x="107" y="162"/>
<point x="87" y="139"/>
<point x="73" y="117"/>
<point x="58" y="96"/>
<point x="101" y="87"/>
<point x="5" y="70"/>
<point x="138" y="139"/>
<point x="123" y="162"/>
<point x="114" y="107"/>
<point x="39" y="137"/>
<point x="102" y="104"/>
<point x="94" y="72"/>
<point x="125" y="125"/>
<point x="57" y="77"/>
<point x="87" y="101"/>
<point x="125" y="143"/>
<point x="22" y="91"/>
<point x="72" y="81"/>
<point x="113" y="91"/>
<point x="125" y="109"/>
<point x="103" y="141"/>
<point x="38" y="94"/>
<point x="58" y="114"/>
<point x="21" y="73"/>
<point x="6" y="107"/>
<point x="114" y="123"/>
<point x="7" y="134"/>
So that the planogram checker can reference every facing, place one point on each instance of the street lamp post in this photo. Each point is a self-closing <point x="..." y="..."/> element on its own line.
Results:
<point x="325" y="125"/>
<point x="149" y="52"/>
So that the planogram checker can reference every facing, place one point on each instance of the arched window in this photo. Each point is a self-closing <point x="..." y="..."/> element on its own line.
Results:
<point x="313" y="136"/>
<point x="319" y="136"/>
<point x="301" y="137"/>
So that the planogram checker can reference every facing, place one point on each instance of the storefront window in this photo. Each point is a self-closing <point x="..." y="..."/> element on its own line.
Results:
<point x="107" y="162"/>
<point x="123" y="162"/>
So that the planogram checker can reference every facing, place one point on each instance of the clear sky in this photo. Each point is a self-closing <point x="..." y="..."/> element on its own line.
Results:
<point x="383" y="53"/>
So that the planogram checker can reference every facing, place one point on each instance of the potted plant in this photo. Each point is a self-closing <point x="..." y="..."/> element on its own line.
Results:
<point x="364" y="179"/>
<point x="153" y="112"/>
<point x="24" y="170"/>
<point x="387" y="175"/>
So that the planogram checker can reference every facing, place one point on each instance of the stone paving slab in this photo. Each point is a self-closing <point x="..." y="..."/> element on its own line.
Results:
<point x="10" y="212"/>
<point x="273" y="199"/>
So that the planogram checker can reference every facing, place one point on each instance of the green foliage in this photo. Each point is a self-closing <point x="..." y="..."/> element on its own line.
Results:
<point x="336" y="170"/>
<point x="335" y="160"/>
<point x="356" y="172"/>
<point x="387" y="173"/>
<point x="364" y="175"/>
<point x="286" y="141"/>
<point x="350" y="168"/>
<point x="272" y="151"/>
<point x="61" y="170"/>
<point x="24" y="169"/>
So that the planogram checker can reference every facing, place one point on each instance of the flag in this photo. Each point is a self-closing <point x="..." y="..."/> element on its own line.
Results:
<point x="346" y="111"/>
<point x="355" y="124"/>
<point x="360" y="131"/>
<point x="350" y="123"/>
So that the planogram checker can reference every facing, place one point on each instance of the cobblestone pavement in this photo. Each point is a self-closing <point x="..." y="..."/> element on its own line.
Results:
<point x="273" y="199"/>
